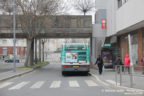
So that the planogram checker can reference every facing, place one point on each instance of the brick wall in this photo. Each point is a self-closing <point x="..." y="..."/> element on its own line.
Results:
<point x="21" y="51"/>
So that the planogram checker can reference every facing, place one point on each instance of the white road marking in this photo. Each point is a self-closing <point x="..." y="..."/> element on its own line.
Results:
<point x="73" y="83"/>
<point x="55" y="84"/>
<point x="5" y="84"/>
<point x="37" y="85"/>
<point x="90" y="83"/>
<point x="99" y="80"/>
<point x="18" y="86"/>
<point x="112" y="82"/>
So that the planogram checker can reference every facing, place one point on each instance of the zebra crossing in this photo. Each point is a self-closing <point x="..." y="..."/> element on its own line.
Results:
<point x="18" y="86"/>
<point x="39" y="84"/>
<point x="73" y="83"/>
<point x="55" y="84"/>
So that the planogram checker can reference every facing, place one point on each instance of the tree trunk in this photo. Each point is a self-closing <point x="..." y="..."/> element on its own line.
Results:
<point x="43" y="51"/>
<point x="35" y="50"/>
<point x="32" y="53"/>
<point x="40" y="50"/>
<point x="27" y="63"/>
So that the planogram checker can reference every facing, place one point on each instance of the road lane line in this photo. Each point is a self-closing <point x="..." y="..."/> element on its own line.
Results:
<point x="90" y="83"/>
<point x="73" y="83"/>
<point x="38" y="84"/>
<point x="5" y="84"/>
<point x="18" y="86"/>
<point x="112" y="82"/>
<point x="55" y="84"/>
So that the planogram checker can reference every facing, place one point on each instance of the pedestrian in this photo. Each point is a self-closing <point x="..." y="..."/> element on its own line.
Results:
<point x="119" y="64"/>
<point x="127" y="63"/>
<point x="142" y="61"/>
<point x="99" y="62"/>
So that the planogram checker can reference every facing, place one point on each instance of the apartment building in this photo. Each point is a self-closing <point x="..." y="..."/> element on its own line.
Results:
<point x="126" y="17"/>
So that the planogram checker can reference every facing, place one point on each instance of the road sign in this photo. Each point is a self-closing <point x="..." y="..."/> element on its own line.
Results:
<point x="107" y="45"/>
<point x="103" y="24"/>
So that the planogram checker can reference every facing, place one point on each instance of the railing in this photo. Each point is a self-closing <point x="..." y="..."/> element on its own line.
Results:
<point x="128" y="73"/>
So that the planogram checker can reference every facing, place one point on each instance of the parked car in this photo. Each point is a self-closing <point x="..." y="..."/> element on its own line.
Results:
<point x="12" y="60"/>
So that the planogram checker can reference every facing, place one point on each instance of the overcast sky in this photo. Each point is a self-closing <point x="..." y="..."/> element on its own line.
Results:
<point x="73" y="11"/>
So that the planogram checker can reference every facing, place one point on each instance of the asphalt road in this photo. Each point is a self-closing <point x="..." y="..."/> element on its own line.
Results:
<point x="48" y="81"/>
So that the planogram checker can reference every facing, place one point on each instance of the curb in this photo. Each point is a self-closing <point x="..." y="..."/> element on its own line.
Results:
<point x="126" y="89"/>
<point x="37" y="66"/>
<point x="17" y="75"/>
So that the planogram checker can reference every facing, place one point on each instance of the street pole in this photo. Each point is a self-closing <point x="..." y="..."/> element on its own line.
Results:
<point x="14" y="36"/>
<point x="95" y="13"/>
<point x="131" y="63"/>
<point x="130" y="52"/>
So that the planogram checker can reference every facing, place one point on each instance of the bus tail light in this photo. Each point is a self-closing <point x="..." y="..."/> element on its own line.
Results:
<point x="66" y="66"/>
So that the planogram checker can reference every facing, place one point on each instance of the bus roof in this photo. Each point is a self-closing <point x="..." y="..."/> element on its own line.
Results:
<point x="75" y="44"/>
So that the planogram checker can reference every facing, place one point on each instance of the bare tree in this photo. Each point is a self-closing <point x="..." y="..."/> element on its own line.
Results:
<point x="84" y="6"/>
<point x="32" y="18"/>
<point x="7" y="7"/>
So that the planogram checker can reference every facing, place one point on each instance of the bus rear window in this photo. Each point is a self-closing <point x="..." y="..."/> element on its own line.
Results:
<point x="72" y="47"/>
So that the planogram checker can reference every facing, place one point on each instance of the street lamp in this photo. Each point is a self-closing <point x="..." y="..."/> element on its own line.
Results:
<point x="14" y="35"/>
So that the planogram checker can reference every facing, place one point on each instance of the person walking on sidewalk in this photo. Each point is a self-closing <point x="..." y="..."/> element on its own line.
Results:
<point x="142" y="61"/>
<point x="99" y="62"/>
<point x="127" y="63"/>
<point x="119" y="64"/>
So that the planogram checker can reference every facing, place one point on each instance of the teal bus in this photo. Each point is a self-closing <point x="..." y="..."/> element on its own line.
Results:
<point x="75" y="57"/>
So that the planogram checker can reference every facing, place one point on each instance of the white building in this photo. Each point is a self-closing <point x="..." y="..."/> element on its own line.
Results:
<point x="126" y="17"/>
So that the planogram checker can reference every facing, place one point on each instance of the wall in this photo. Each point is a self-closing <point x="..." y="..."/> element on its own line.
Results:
<point x="9" y="42"/>
<point x="111" y="17"/>
<point x="21" y="51"/>
<point x="101" y="4"/>
<point x="98" y="35"/>
<point x="129" y="14"/>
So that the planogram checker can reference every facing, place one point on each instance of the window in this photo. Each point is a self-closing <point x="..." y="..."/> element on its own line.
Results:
<point x="121" y="2"/>
<point x="75" y="47"/>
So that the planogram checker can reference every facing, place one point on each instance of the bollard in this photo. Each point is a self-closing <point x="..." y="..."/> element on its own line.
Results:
<point x="120" y="75"/>
<point x="116" y="74"/>
<point x="124" y="69"/>
<point x="131" y="77"/>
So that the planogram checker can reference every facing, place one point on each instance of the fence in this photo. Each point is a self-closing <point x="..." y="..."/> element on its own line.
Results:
<point x="129" y="76"/>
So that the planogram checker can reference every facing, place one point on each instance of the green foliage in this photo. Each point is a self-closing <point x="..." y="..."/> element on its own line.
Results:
<point x="41" y="63"/>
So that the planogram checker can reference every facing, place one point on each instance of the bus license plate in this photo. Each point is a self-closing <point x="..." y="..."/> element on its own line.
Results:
<point x="75" y="66"/>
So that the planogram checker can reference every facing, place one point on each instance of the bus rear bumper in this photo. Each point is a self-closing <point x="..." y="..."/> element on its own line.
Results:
<point x="75" y="68"/>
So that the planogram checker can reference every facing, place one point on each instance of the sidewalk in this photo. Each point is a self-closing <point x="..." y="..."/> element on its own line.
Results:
<point x="11" y="74"/>
<point x="108" y="76"/>
<point x="5" y="67"/>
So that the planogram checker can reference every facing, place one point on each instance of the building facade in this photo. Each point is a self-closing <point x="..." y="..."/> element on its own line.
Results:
<point x="6" y="47"/>
<point x="125" y="17"/>
<point x="98" y="34"/>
